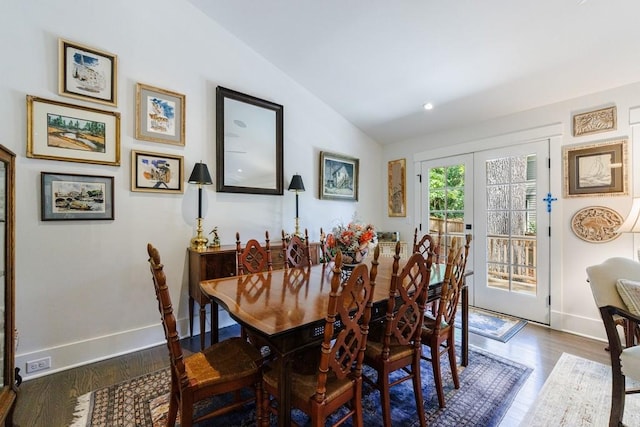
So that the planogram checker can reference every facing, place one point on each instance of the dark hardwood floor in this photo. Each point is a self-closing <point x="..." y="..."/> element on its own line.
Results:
<point x="49" y="401"/>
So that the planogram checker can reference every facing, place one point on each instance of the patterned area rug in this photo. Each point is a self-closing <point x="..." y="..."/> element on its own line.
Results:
<point x="488" y="386"/>
<point x="492" y="325"/>
<point x="578" y="394"/>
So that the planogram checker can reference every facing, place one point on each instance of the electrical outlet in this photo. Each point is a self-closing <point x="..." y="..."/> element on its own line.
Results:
<point x="38" y="365"/>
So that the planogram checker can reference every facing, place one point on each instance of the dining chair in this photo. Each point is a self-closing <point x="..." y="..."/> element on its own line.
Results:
<point x="225" y="367"/>
<point x="426" y="246"/>
<point x="295" y="251"/>
<point x="253" y="258"/>
<point x="335" y="380"/>
<point x="395" y="344"/>
<point x="438" y="332"/>
<point x="610" y="281"/>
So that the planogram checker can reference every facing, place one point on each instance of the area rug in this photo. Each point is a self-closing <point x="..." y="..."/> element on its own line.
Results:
<point x="488" y="386"/>
<point x="492" y="325"/>
<point x="577" y="393"/>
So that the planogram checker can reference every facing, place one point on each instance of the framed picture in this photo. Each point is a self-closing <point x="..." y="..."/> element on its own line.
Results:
<point x="397" y="201"/>
<point x="59" y="131"/>
<point x="338" y="177"/>
<point x="76" y="197"/>
<point x="602" y="120"/>
<point x="598" y="169"/>
<point x="156" y="173"/>
<point x="87" y="73"/>
<point x="159" y="115"/>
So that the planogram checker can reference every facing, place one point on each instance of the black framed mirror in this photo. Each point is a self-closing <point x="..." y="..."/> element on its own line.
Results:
<point x="249" y="144"/>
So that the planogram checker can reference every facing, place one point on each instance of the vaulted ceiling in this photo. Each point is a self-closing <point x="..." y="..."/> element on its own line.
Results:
<point x="376" y="62"/>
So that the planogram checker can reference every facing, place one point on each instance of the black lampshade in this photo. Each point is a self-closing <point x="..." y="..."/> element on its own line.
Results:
<point x="200" y="175"/>
<point x="296" y="183"/>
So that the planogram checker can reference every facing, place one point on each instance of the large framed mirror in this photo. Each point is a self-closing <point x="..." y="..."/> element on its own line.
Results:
<point x="249" y="144"/>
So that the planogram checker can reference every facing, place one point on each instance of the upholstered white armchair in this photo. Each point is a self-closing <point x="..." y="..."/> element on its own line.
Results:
<point x="615" y="285"/>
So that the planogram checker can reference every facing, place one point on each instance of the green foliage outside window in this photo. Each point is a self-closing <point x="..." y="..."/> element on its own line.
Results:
<point x="446" y="190"/>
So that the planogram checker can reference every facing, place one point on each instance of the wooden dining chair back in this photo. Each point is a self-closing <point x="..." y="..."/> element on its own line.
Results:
<point x="253" y="258"/>
<point x="427" y="244"/>
<point x="226" y="367"/>
<point x="438" y="333"/>
<point x="395" y="345"/>
<point x="610" y="281"/>
<point x="337" y="379"/>
<point x="295" y="250"/>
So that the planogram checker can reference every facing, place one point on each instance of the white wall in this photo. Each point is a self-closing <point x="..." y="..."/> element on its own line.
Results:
<point x="572" y="306"/>
<point x="83" y="288"/>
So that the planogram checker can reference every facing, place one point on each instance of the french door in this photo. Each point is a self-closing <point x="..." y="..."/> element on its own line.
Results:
<point x="511" y="268"/>
<point x="496" y="195"/>
<point x="447" y="202"/>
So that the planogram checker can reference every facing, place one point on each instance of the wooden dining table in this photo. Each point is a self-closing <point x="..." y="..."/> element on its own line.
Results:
<point x="285" y="309"/>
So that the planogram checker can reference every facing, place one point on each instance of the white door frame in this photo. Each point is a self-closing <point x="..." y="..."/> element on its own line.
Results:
<point x="553" y="132"/>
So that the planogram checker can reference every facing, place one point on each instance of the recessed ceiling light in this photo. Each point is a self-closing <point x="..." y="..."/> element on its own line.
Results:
<point x="428" y="106"/>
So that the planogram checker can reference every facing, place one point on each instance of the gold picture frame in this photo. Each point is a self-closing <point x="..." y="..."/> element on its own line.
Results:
<point x="87" y="73"/>
<point x="602" y="120"/>
<point x="160" y="115"/>
<point x="597" y="169"/>
<point x="73" y="133"/>
<point x="397" y="198"/>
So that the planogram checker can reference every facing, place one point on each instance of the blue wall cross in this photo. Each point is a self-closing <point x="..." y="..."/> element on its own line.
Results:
<point x="549" y="199"/>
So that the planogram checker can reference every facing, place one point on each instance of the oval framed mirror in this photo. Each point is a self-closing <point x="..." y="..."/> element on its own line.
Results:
<point x="249" y="144"/>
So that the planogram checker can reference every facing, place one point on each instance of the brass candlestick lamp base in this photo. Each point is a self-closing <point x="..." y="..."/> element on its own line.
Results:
<point x="199" y="243"/>
<point x="297" y="232"/>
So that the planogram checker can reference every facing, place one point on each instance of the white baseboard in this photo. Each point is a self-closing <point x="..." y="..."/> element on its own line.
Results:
<point x="104" y="347"/>
<point x="579" y="325"/>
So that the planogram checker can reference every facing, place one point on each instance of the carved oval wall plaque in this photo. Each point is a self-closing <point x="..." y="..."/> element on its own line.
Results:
<point x="596" y="224"/>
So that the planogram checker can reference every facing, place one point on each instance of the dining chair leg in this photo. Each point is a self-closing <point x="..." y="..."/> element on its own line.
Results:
<point x="437" y="373"/>
<point x="358" y="416"/>
<point x="385" y="397"/>
<point x="186" y="412"/>
<point x="173" y="408"/>
<point x="453" y="363"/>
<point x="417" y="390"/>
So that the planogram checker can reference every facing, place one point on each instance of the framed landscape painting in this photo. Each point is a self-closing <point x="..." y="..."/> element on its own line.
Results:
<point x="87" y="73"/>
<point x="598" y="169"/>
<point x="159" y="115"/>
<point x="59" y="131"/>
<point x="338" y="177"/>
<point x="76" y="197"/>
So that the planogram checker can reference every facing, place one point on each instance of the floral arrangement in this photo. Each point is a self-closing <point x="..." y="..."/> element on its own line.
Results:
<point x="353" y="240"/>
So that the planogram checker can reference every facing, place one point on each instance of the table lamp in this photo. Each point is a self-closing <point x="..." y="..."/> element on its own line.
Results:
<point x="297" y="186"/>
<point x="200" y="175"/>
<point x="632" y="223"/>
